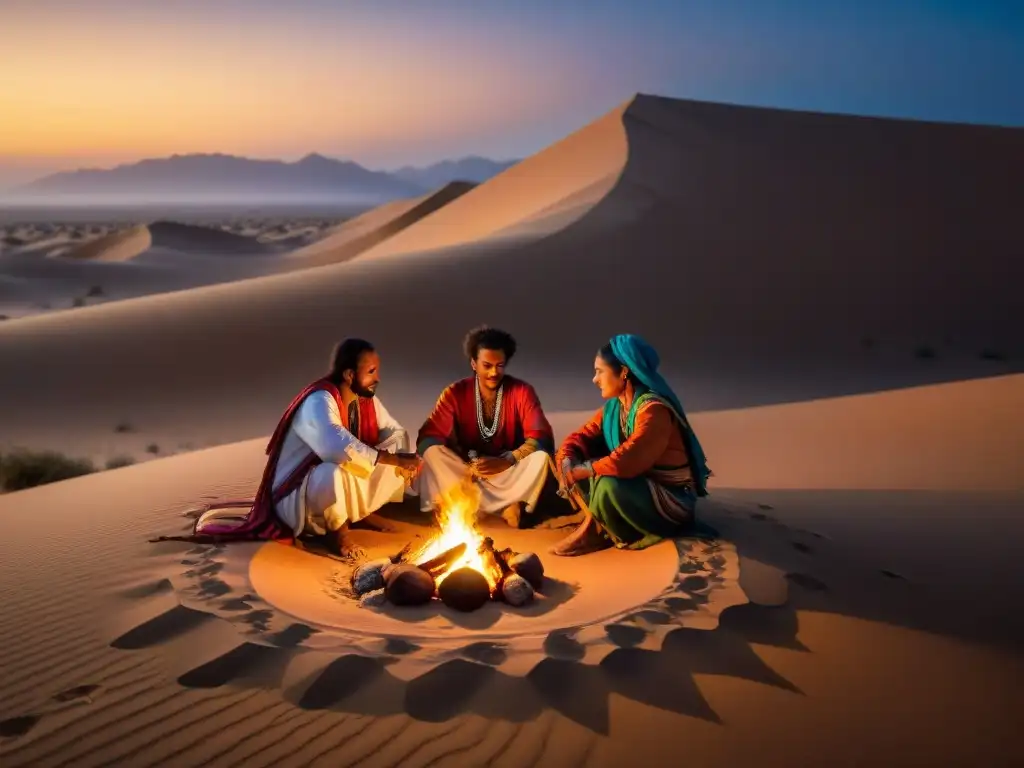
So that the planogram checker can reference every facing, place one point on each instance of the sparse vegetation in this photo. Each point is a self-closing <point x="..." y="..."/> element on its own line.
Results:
<point x="124" y="427"/>
<point x="153" y="448"/>
<point x="991" y="354"/>
<point x="116" y="462"/>
<point x="22" y="468"/>
<point x="94" y="291"/>
<point x="925" y="352"/>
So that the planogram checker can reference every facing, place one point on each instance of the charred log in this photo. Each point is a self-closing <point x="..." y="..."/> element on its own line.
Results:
<point x="442" y="562"/>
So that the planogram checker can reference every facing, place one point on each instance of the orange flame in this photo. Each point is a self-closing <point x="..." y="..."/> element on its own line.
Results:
<point x="457" y="517"/>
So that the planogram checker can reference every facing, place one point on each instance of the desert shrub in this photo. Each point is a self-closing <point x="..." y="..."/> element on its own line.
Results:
<point x="21" y="468"/>
<point x="123" y="427"/>
<point x="95" y="290"/>
<point x="116" y="462"/>
<point x="153" y="448"/>
<point x="924" y="352"/>
<point x="991" y="354"/>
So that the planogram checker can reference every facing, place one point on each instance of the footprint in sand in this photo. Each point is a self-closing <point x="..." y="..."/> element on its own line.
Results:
<point x="807" y="582"/>
<point x="17" y="726"/>
<point x="14" y="727"/>
<point x="78" y="693"/>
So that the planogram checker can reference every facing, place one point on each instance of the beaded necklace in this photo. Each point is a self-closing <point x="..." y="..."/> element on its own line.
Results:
<point x="488" y="432"/>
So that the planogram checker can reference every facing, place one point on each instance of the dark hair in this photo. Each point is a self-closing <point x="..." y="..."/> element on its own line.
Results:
<point x="345" y="357"/>
<point x="606" y="354"/>
<point x="485" y="337"/>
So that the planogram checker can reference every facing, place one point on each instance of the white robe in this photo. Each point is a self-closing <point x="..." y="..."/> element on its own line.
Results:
<point x="347" y="486"/>
<point x="443" y="469"/>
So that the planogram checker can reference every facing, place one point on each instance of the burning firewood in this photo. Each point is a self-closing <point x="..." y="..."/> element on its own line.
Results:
<point x="441" y="563"/>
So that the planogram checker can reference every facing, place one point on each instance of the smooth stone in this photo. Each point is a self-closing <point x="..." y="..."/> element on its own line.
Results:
<point x="516" y="590"/>
<point x="464" y="589"/>
<point x="529" y="566"/>
<point x="409" y="585"/>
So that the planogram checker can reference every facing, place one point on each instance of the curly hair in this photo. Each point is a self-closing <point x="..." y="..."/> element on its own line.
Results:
<point x="485" y="337"/>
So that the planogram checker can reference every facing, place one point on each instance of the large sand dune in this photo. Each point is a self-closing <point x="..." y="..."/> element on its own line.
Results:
<point x="373" y="227"/>
<point x="768" y="255"/>
<point x="858" y="605"/>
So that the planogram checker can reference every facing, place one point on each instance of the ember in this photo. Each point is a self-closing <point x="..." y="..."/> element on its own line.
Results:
<point x="459" y="550"/>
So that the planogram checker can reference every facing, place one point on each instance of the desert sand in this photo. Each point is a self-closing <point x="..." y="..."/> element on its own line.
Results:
<point x="834" y="298"/>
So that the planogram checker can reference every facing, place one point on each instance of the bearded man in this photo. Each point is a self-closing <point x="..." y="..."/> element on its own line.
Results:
<point x="336" y="457"/>
<point x="491" y="427"/>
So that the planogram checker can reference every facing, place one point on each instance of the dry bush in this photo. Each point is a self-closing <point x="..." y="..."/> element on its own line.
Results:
<point x="22" y="468"/>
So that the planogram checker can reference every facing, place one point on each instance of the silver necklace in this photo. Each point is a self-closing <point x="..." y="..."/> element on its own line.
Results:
<point x="488" y="432"/>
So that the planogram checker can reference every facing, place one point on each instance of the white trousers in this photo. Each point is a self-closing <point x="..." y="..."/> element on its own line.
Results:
<point x="331" y="496"/>
<point x="443" y="469"/>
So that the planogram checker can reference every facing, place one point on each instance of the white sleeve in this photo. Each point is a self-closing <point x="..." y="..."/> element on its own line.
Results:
<point x="318" y="423"/>
<point x="393" y="436"/>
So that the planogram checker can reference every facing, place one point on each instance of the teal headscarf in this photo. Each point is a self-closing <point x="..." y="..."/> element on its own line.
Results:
<point x="642" y="360"/>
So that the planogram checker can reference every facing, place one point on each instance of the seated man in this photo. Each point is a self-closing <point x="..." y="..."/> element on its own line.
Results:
<point x="488" y="425"/>
<point x="333" y="460"/>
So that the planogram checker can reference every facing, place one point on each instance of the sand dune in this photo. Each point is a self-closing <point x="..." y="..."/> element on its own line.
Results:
<point x="857" y="604"/>
<point x="86" y="265"/>
<point x="796" y="256"/>
<point x="119" y="246"/>
<point x="377" y="225"/>
<point x="571" y="176"/>
<point x="189" y="238"/>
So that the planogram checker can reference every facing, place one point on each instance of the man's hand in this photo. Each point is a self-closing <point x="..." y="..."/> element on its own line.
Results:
<point x="489" y="466"/>
<point x="406" y="465"/>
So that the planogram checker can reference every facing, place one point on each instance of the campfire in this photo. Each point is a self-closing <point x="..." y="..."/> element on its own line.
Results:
<point x="458" y="565"/>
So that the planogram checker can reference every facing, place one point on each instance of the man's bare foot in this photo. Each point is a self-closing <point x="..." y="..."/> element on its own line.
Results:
<point x="375" y="523"/>
<point x="512" y="514"/>
<point x="338" y="543"/>
<point x="586" y="539"/>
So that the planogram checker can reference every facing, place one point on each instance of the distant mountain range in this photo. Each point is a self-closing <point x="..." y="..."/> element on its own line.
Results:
<point x="219" y="176"/>
<point x="473" y="168"/>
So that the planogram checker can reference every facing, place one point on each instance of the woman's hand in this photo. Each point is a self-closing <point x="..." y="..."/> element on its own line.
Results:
<point x="580" y="472"/>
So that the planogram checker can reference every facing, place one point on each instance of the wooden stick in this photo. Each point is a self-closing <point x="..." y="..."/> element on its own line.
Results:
<point x="443" y="560"/>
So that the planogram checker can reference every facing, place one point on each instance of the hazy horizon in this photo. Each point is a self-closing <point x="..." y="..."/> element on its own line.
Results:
<point x="401" y="84"/>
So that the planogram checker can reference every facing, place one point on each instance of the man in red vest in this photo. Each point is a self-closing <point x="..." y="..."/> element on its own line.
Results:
<point x="336" y="457"/>
<point x="489" y="426"/>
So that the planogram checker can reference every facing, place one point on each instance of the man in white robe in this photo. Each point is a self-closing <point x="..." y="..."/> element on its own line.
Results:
<point x="354" y="479"/>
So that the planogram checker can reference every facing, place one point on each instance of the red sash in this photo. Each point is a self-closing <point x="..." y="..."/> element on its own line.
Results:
<point x="261" y="522"/>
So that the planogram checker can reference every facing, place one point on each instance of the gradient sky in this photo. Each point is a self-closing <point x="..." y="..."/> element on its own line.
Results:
<point x="387" y="83"/>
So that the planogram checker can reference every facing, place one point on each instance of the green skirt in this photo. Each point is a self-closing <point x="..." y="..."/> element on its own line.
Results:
<point x="637" y="512"/>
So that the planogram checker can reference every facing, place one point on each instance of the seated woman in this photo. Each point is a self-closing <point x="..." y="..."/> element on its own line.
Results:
<point x="644" y="464"/>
